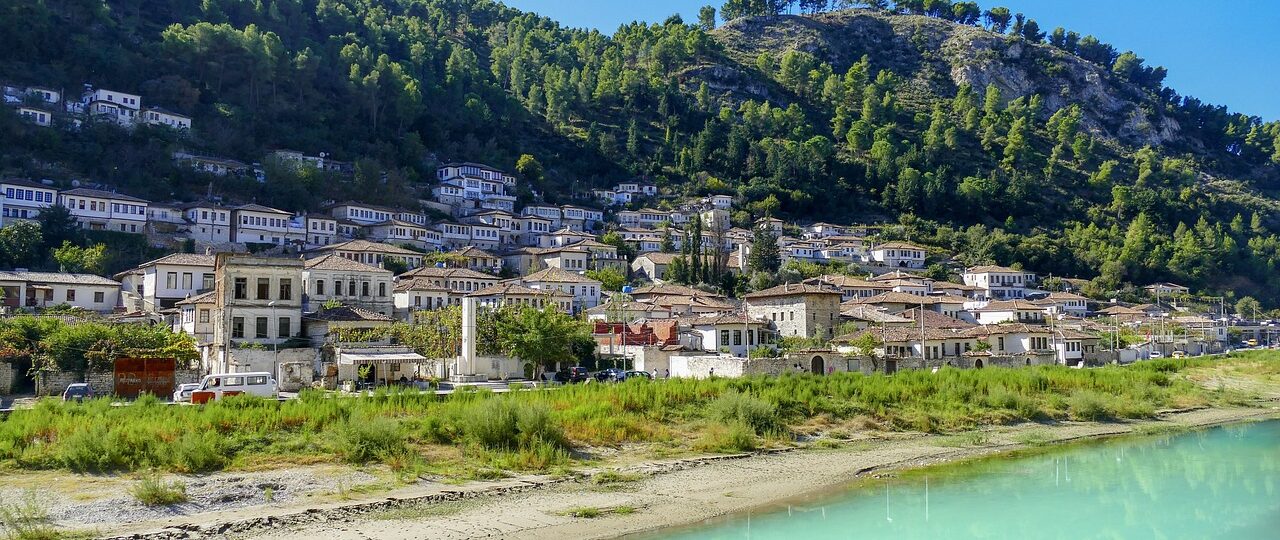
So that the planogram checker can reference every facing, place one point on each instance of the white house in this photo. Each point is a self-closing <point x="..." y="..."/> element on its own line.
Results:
<point x="24" y="199"/>
<point x="101" y="210"/>
<point x="475" y="184"/>
<point x="332" y="277"/>
<point x="196" y="317"/>
<point x="999" y="282"/>
<point x="418" y="294"/>
<point x="36" y="115"/>
<point x="208" y="222"/>
<point x="159" y="116"/>
<point x="112" y="106"/>
<point x="38" y="290"/>
<point x="213" y="165"/>
<point x="898" y="254"/>
<point x="162" y="283"/>
<point x="364" y="214"/>
<point x="1000" y="311"/>
<point x="585" y="291"/>
<point x="732" y="334"/>
<point x="321" y="230"/>
<point x="257" y="224"/>
<point x="370" y="253"/>
<point x="394" y="231"/>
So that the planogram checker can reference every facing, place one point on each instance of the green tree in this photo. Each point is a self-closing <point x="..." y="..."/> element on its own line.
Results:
<point x="610" y="278"/>
<point x="542" y="338"/>
<point x="58" y="227"/>
<point x="764" y="256"/>
<point x="73" y="258"/>
<point x="529" y="167"/>
<point x="998" y="19"/>
<point x="1248" y="307"/>
<point x="20" y="244"/>
<point x="707" y="18"/>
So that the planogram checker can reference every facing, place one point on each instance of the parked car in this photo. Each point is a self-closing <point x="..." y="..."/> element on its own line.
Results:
<point x="77" y="392"/>
<point x="215" y="387"/>
<point x="183" y="392"/>
<point x="639" y="375"/>
<point x="1179" y="354"/>
<point x="1156" y="354"/>
<point x="577" y="374"/>
<point x="610" y="375"/>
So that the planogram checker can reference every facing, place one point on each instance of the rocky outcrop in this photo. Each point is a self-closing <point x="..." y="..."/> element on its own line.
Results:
<point x="940" y="56"/>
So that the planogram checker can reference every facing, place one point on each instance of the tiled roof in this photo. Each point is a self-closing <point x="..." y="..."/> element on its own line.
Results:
<point x="182" y="259"/>
<point x="366" y="246"/>
<point x="203" y="298"/>
<point x="933" y="319"/>
<point x="1009" y="305"/>
<point x="346" y="313"/>
<point x="895" y="297"/>
<point x="994" y="268"/>
<point x="418" y="284"/>
<point x="472" y="251"/>
<point x="337" y="262"/>
<point x="870" y="314"/>
<point x="790" y="289"/>
<point x="735" y="319"/>
<point x="98" y="193"/>
<point x="1008" y="328"/>
<point x="672" y="289"/>
<point x="57" y="277"/>
<point x="436" y="272"/>
<point x="897" y="245"/>
<point x="556" y="275"/>
<point x="513" y="289"/>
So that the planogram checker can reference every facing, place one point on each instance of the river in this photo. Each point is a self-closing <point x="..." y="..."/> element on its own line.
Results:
<point x="1222" y="482"/>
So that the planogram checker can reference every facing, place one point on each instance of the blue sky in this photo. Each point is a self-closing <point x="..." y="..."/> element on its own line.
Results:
<point x="1226" y="53"/>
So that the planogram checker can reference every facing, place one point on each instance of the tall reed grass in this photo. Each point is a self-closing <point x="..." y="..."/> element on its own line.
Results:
<point x="536" y="429"/>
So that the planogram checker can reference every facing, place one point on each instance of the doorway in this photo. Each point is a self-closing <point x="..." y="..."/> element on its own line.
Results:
<point x="818" y="365"/>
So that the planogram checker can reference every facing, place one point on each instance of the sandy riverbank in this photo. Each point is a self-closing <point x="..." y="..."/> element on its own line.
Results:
<point x="661" y="495"/>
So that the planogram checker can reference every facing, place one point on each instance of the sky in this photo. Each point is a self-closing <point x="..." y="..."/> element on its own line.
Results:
<point x="1222" y="56"/>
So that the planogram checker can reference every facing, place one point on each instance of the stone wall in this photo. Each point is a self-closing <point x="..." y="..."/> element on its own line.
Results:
<point x="8" y="376"/>
<point x="246" y="360"/>
<point x="103" y="383"/>
<point x="868" y="365"/>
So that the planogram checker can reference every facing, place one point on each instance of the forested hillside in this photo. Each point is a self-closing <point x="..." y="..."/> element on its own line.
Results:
<point x="980" y="131"/>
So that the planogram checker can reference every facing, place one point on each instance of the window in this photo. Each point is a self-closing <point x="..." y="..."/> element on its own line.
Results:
<point x="737" y="337"/>
<point x="204" y="315"/>
<point x="171" y="280"/>
<point x="724" y="338"/>
<point x="364" y="288"/>
<point x="237" y="327"/>
<point x="206" y="281"/>
<point x="351" y="287"/>
<point x="382" y="289"/>
<point x="71" y="295"/>
<point x="260" y="330"/>
<point x="319" y="287"/>
<point x="186" y="280"/>
<point x="264" y="288"/>
<point x="241" y="288"/>
<point x="286" y="289"/>
<point x="233" y="381"/>
<point x="284" y="328"/>
<point x="337" y="288"/>
<point x="255" y="380"/>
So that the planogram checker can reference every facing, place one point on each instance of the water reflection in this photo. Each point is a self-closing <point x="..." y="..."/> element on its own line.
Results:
<point x="1217" y="483"/>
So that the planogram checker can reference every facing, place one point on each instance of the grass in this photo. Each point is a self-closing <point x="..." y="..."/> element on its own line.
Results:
<point x="591" y="512"/>
<point x="27" y="520"/>
<point x="1033" y="438"/>
<point x="151" y="490"/>
<point x="970" y="439"/>
<point x="614" y="477"/>
<point x="479" y="434"/>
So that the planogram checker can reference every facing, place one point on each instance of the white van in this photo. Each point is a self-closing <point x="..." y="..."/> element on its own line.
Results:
<point x="214" y="387"/>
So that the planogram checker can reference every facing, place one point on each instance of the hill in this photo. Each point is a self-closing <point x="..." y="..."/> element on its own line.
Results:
<point x="1000" y="143"/>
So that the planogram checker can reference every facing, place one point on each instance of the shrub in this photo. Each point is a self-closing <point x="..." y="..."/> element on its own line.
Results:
<point x="198" y="453"/>
<point x="152" y="491"/>
<point x="745" y="410"/>
<point x="369" y="439"/>
<point x="733" y="438"/>
<point x="493" y="424"/>
<point x="1089" y="405"/>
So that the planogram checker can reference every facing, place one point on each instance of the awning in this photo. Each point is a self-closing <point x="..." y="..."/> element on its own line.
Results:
<point x="365" y="357"/>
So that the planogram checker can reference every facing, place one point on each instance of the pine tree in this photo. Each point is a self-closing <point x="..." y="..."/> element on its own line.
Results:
<point x="764" y="256"/>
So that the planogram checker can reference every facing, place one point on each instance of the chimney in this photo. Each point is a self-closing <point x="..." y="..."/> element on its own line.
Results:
<point x="208" y="250"/>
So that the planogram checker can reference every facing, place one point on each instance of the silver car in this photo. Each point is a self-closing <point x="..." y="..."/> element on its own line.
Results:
<point x="183" y="393"/>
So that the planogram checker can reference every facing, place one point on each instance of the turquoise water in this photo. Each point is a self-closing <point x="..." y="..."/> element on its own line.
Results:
<point x="1217" y="483"/>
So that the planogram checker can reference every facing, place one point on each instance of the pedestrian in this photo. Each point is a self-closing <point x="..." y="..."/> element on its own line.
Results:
<point x="666" y="373"/>
<point x="711" y="373"/>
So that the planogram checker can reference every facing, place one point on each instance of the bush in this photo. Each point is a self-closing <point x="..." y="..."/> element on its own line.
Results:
<point x="733" y="438"/>
<point x="493" y="424"/>
<point x="152" y="491"/>
<point x="370" y="439"/>
<point x="198" y="453"/>
<point x="27" y="520"/>
<point x="745" y="410"/>
<point x="1089" y="405"/>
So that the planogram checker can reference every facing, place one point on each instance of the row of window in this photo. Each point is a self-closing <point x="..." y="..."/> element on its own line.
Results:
<point x="188" y="278"/>
<point x="261" y="221"/>
<point x="261" y="328"/>
<point x="19" y="194"/>
<point x="98" y="297"/>
<point x="351" y="288"/>
<point x="240" y="289"/>
<point x="204" y="216"/>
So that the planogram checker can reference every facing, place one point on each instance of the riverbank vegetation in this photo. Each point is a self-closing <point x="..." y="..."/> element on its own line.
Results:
<point x="481" y="434"/>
